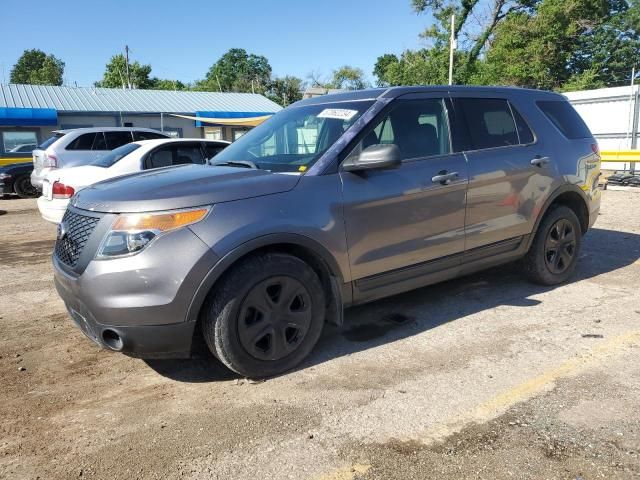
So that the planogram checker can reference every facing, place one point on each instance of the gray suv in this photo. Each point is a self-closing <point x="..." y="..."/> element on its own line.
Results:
<point x="335" y="201"/>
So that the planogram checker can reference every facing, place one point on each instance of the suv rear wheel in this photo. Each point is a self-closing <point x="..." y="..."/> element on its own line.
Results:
<point x="266" y="316"/>
<point x="554" y="252"/>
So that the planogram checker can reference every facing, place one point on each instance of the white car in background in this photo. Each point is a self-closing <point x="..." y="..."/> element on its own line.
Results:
<point x="82" y="146"/>
<point x="60" y="185"/>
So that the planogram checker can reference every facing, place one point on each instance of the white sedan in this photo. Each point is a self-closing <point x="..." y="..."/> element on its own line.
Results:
<point x="60" y="185"/>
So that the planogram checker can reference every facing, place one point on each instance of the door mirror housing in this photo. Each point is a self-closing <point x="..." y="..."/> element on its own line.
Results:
<point x="374" y="157"/>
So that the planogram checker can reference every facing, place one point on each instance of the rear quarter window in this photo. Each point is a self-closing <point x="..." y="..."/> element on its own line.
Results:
<point x="565" y="118"/>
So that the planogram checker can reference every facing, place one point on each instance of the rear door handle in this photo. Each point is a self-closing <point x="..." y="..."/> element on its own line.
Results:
<point x="539" y="161"/>
<point x="444" y="178"/>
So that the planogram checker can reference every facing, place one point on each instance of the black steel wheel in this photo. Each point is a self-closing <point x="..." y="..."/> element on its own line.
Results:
<point x="274" y="318"/>
<point x="554" y="251"/>
<point x="23" y="188"/>
<point x="265" y="315"/>
<point x="560" y="246"/>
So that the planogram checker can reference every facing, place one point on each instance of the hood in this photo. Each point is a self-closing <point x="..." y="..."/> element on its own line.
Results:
<point x="180" y="187"/>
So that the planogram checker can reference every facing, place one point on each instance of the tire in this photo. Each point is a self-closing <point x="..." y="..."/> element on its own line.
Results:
<point x="23" y="188"/>
<point x="554" y="253"/>
<point x="244" y="322"/>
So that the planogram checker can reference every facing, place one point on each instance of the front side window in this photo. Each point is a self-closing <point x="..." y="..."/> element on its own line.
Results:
<point x="212" y="149"/>
<point x="17" y="142"/>
<point x="418" y="127"/>
<point x="295" y="138"/>
<point x="186" y="154"/>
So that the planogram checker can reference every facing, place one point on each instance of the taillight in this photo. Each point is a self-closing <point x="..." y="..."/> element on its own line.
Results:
<point x="60" y="190"/>
<point x="50" y="161"/>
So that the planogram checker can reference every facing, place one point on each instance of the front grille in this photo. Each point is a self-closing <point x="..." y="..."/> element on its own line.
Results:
<point x="78" y="230"/>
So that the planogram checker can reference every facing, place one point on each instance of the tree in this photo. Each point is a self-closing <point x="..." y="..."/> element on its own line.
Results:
<point x="285" y="90"/>
<point x="565" y="45"/>
<point x="348" y="78"/>
<point x="238" y="71"/>
<point x="35" y="67"/>
<point x="383" y="64"/>
<point x="551" y="44"/>
<point x="165" y="84"/>
<point x="115" y="74"/>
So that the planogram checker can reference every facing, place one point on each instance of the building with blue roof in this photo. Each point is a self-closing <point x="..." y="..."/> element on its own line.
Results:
<point x="29" y="113"/>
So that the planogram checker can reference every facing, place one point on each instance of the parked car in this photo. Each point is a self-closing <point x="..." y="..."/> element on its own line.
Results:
<point x="15" y="179"/>
<point x="60" y="184"/>
<point x="23" y="148"/>
<point x="398" y="188"/>
<point x="81" y="146"/>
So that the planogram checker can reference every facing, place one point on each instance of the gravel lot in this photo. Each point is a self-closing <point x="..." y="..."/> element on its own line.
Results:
<point x="483" y="377"/>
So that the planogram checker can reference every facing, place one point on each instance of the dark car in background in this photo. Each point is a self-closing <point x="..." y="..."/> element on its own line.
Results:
<point x="334" y="201"/>
<point x="16" y="179"/>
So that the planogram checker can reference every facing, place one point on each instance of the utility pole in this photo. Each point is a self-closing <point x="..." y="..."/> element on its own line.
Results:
<point x="126" y="54"/>
<point x="452" y="47"/>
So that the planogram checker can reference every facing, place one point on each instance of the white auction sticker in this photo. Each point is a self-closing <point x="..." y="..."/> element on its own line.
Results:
<point x="338" y="113"/>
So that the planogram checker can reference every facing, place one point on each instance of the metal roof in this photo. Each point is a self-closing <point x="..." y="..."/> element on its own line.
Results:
<point x="81" y="99"/>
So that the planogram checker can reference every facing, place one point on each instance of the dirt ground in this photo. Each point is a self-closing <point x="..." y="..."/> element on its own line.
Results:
<point x="486" y="377"/>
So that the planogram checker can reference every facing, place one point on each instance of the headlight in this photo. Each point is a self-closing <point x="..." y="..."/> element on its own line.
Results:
<point x="4" y="176"/>
<point x="131" y="233"/>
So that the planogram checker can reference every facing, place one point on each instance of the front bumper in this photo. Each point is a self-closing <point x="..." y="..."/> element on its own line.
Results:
<point x="138" y="305"/>
<point x="3" y="189"/>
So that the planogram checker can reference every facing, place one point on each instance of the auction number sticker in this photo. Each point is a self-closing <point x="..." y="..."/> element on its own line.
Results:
<point x="338" y="113"/>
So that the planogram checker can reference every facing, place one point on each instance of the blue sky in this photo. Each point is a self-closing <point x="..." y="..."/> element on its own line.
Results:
<point x="182" y="39"/>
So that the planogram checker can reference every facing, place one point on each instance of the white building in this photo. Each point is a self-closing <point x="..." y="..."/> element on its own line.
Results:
<point x="612" y="116"/>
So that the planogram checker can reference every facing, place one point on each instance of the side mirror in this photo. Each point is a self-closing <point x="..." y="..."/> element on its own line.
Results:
<point x="374" y="157"/>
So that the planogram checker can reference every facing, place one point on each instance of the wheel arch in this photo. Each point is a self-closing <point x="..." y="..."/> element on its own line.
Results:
<point x="570" y="196"/>
<point x="305" y="248"/>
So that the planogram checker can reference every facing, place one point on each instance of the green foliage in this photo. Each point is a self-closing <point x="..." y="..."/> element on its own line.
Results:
<point x="115" y="74"/>
<point x="165" y="84"/>
<point x="238" y="71"/>
<point x="348" y="78"/>
<point x="35" y="67"/>
<point x="549" y="44"/>
<point x="285" y="90"/>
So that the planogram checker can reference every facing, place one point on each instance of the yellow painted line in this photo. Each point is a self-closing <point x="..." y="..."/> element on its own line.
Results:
<point x="9" y="161"/>
<point x="517" y="394"/>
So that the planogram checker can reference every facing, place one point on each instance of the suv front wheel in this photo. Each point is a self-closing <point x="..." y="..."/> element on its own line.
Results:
<point x="265" y="316"/>
<point x="554" y="252"/>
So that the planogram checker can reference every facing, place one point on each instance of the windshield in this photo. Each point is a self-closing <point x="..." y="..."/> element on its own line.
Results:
<point x="115" y="155"/>
<point x="293" y="139"/>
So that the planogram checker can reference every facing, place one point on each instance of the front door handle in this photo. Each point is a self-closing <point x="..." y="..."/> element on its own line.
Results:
<point x="444" y="177"/>
<point x="539" y="161"/>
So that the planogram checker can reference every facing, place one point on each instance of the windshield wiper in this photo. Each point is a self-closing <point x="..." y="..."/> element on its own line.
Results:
<point x="236" y="163"/>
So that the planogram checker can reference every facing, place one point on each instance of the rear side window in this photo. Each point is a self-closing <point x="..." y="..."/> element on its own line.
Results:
<point x="83" y="142"/>
<point x="147" y="136"/>
<point x="47" y="143"/>
<point x="524" y="132"/>
<point x="490" y="122"/>
<point x="565" y="118"/>
<point x="117" y="139"/>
